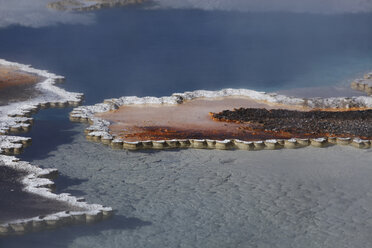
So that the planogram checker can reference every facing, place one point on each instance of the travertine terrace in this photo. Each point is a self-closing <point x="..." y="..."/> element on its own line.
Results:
<point x="182" y="120"/>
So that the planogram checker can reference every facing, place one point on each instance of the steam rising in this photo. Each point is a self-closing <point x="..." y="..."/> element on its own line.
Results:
<point x="298" y="6"/>
<point x="34" y="13"/>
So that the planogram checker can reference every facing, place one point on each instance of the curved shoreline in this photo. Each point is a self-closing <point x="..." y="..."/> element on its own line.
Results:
<point x="99" y="130"/>
<point x="15" y="117"/>
<point x="38" y="181"/>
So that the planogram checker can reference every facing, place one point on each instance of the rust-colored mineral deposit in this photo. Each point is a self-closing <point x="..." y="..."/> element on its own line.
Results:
<point x="189" y="120"/>
<point x="11" y="76"/>
<point x="16" y="85"/>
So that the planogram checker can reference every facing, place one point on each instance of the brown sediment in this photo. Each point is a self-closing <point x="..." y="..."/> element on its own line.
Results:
<point x="16" y="85"/>
<point x="189" y="120"/>
<point x="11" y="76"/>
<point x="354" y="123"/>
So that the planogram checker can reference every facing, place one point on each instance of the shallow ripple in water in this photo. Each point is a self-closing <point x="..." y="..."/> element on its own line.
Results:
<point x="207" y="198"/>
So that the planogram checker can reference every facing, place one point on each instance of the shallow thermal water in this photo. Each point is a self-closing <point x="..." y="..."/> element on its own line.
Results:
<point x="201" y="198"/>
<point x="307" y="197"/>
<point x="190" y="120"/>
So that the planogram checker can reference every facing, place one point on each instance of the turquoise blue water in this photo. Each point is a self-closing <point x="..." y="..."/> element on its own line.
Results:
<point x="200" y="198"/>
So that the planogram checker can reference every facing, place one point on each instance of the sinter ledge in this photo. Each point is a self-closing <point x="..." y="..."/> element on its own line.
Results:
<point x="15" y="117"/>
<point x="99" y="130"/>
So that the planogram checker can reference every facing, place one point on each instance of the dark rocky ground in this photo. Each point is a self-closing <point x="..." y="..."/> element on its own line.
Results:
<point x="16" y="85"/>
<point x="329" y="123"/>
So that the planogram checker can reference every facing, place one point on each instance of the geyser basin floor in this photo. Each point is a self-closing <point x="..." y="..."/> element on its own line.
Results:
<point x="207" y="198"/>
<point x="189" y="120"/>
<point x="183" y="120"/>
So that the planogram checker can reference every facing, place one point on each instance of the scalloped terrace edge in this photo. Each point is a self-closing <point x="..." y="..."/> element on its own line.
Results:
<point x="15" y="117"/>
<point x="38" y="181"/>
<point x="98" y="130"/>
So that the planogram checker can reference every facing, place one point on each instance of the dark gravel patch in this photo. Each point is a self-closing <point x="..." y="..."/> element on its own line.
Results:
<point x="342" y="123"/>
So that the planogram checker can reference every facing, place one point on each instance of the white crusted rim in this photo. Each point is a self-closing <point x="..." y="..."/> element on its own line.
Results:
<point x="132" y="142"/>
<point x="12" y="115"/>
<point x="36" y="182"/>
<point x="226" y="141"/>
<point x="235" y="143"/>
<point x="357" y="140"/>
<point x="87" y="113"/>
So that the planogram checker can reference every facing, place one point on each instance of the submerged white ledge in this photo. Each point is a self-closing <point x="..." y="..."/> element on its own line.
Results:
<point x="37" y="182"/>
<point x="14" y="117"/>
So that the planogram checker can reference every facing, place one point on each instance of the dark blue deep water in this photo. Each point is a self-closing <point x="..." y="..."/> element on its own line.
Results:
<point x="139" y="52"/>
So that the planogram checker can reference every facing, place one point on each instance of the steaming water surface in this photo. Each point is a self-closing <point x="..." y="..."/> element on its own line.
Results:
<point x="201" y="198"/>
